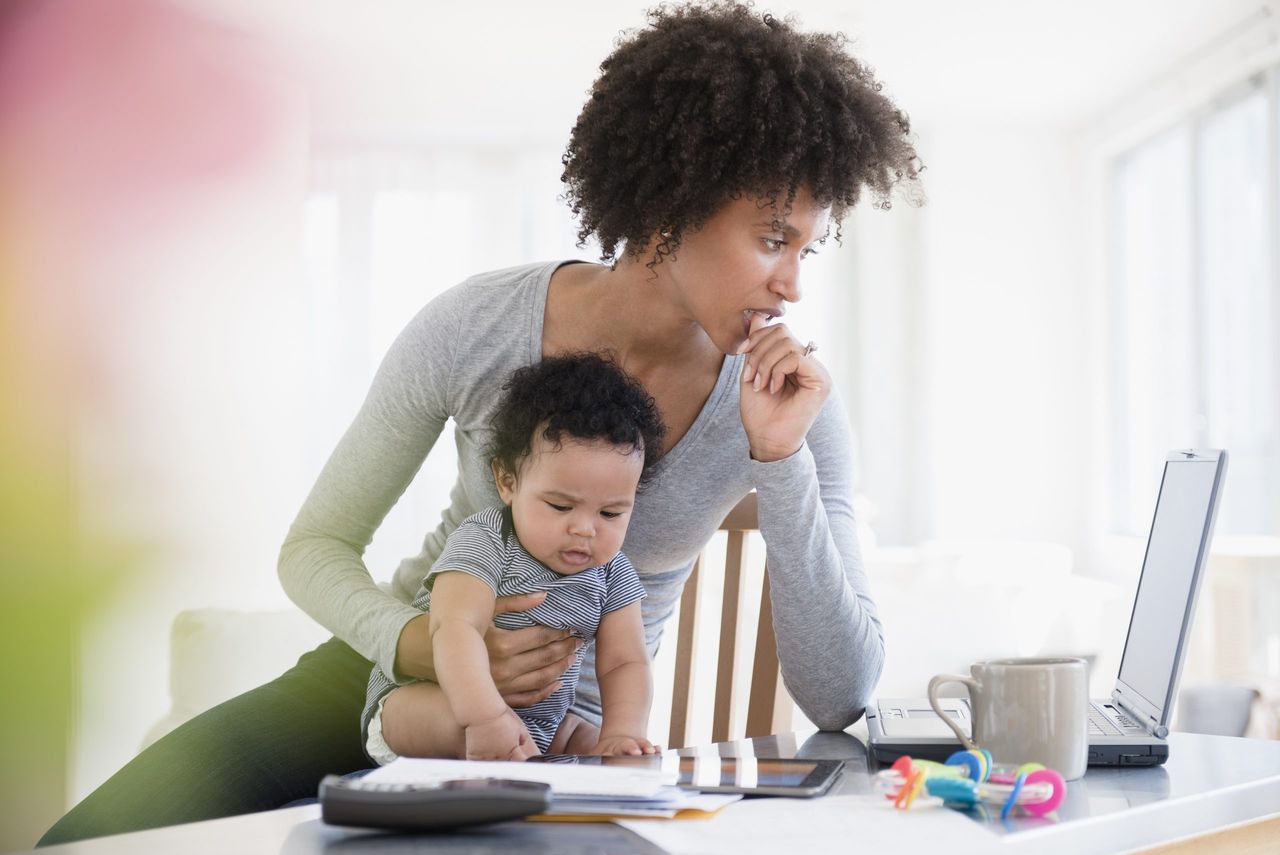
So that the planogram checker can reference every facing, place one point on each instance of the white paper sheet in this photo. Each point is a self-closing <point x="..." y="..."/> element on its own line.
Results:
<point x="568" y="779"/>
<point x="828" y="824"/>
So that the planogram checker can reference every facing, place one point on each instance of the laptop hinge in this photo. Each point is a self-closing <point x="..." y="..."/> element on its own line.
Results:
<point x="1151" y="725"/>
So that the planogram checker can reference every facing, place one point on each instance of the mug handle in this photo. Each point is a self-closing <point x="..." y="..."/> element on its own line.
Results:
<point x="937" y="708"/>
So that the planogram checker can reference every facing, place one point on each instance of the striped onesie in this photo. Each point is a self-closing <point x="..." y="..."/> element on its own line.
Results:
<point x="485" y="546"/>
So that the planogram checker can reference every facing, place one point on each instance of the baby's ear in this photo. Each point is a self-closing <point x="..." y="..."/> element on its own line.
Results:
<point x="503" y="480"/>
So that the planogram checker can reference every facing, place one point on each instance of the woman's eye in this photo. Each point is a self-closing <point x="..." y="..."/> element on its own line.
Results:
<point x="808" y="252"/>
<point x="773" y="244"/>
<point x="561" y="508"/>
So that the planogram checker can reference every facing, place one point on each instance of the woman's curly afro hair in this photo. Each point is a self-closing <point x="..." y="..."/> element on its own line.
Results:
<point x="575" y="396"/>
<point x="713" y="100"/>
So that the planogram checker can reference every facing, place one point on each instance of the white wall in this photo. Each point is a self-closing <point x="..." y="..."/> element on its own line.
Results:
<point x="1004" y="317"/>
<point x="972" y="317"/>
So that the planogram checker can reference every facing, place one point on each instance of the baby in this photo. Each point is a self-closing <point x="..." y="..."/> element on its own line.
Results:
<point x="574" y="437"/>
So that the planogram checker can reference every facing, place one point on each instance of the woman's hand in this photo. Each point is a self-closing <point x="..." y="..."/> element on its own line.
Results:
<point x="781" y="391"/>
<point x="503" y="737"/>
<point x="625" y="745"/>
<point x="526" y="664"/>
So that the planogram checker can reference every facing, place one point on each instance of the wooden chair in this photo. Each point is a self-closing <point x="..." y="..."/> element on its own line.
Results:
<point x="769" y="707"/>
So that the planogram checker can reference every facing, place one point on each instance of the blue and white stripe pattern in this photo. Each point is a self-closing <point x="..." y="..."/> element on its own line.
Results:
<point x="485" y="546"/>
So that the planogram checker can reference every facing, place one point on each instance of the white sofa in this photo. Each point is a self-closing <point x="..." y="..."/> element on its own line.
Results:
<point x="946" y="604"/>
<point x="216" y="654"/>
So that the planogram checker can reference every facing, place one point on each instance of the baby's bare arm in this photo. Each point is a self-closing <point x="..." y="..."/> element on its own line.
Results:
<point x="625" y="677"/>
<point x="462" y="715"/>
<point x="461" y="608"/>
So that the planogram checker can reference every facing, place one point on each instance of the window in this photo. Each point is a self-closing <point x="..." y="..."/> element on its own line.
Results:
<point x="1193" y="307"/>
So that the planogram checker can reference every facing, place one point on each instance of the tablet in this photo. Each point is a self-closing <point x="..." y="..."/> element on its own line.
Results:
<point x="751" y="776"/>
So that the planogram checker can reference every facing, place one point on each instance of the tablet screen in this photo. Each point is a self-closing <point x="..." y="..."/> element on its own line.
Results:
<point x="749" y="775"/>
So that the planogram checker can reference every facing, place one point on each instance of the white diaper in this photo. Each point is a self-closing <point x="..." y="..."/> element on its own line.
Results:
<point x="375" y="745"/>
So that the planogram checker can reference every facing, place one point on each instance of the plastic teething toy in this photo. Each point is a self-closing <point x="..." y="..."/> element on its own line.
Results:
<point x="969" y="778"/>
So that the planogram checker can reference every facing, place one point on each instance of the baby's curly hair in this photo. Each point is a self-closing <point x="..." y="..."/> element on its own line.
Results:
<point x="581" y="396"/>
<point x="713" y="100"/>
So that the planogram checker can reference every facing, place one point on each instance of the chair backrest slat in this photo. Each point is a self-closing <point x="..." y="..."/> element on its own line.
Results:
<point x="768" y="695"/>
<point x="769" y="705"/>
<point x="686" y="640"/>
<point x="728" y="635"/>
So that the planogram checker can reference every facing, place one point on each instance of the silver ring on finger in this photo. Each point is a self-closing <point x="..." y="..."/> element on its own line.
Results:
<point x="809" y="348"/>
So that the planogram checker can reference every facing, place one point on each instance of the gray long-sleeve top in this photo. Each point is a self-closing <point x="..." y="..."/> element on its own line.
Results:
<point x="450" y="362"/>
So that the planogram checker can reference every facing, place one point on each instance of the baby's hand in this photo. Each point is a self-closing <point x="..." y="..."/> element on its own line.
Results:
<point x="503" y="737"/>
<point x="625" y="745"/>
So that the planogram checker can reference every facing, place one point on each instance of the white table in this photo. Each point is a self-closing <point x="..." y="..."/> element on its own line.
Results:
<point x="1215" y="794"/>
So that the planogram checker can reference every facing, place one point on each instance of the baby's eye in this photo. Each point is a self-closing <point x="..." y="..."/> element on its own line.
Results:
<point x="561" y="508"/>
<point x="610" y="515"/>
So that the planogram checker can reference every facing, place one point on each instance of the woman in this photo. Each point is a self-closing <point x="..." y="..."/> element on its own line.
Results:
<point x="717" y="149"/>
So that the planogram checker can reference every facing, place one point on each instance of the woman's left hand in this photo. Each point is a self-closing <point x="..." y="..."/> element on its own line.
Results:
<point x="781" y="391"/>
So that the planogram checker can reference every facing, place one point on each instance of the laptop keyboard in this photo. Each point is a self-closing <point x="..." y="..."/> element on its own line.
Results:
<point x="1101" y="725"/>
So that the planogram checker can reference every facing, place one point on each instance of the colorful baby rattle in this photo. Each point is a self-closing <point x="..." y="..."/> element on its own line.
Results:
<point x="969" y="778"/>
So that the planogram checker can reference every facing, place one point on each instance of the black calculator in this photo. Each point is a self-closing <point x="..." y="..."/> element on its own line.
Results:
<point x="448" y="804"/>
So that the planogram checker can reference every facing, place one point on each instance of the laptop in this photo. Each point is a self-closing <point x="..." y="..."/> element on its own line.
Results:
<point x="1128" y="728"/>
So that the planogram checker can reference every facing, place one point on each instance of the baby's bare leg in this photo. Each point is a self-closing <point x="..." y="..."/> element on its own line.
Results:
<point x="417" y="722"/>
<point x="575" y="735"/>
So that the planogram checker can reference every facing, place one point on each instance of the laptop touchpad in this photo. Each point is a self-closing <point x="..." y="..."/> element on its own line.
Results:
<point x="919" y="720"/>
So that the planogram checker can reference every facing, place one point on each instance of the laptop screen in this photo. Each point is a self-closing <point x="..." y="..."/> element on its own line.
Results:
<point x="1166" y="586"/>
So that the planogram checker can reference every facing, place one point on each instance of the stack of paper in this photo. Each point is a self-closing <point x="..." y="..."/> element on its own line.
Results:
<point x="668" y="803"/>
<point x="566" y="779"/>
<point x="597" y="792"/>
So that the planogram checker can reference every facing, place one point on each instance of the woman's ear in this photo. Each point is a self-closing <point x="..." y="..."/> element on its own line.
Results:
<point x="504" y="481"/>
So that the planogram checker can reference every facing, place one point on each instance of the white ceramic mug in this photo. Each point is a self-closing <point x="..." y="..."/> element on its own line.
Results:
<point x="1026" y="710"/>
